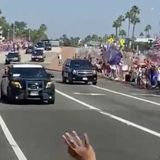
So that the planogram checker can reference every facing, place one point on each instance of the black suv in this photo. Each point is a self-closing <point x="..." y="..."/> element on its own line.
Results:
<point x="48" y="47"/>
<point x="27" y="82"/>
<point x="30" y="50"/>
<point x="38" y="55"/>
<point x="12" y="57"/>
<point x="79" y="70"/>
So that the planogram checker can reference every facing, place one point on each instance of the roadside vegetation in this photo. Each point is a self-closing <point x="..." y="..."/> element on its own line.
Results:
<point x="131" y="18"/>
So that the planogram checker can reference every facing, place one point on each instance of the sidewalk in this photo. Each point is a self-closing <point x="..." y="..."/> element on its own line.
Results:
<point x="67" y="52"/>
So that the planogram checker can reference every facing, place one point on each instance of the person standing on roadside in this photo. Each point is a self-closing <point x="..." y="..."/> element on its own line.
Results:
<point x="158" y="77"/>
<point x="59" y="58"/>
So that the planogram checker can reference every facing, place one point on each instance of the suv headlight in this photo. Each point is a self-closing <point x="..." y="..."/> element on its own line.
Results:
<point x="49" y="85"/>
<point x="16" y="84"/>
<point x="94" y="72"/>
<point x="74" y="71"/>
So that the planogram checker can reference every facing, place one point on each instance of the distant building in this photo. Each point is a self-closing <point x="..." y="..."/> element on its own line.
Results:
<point x="145" y="40"/>
<point x="93" y="44"/>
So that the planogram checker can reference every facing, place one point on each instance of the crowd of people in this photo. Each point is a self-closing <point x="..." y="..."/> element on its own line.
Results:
<point x="10" y="45"/>
<point x="143" y="70"/>
<point x="146" y="75"/>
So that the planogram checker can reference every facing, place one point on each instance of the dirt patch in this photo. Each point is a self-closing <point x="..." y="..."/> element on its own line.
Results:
<point x="66" y="52"/>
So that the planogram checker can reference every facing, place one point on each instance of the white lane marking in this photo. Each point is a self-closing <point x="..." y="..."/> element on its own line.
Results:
<point x="89" y="94"/>
<point x="141" y="94"/>
<point x="124" y="121"/>
<point x="126" y="95"/>
<point x="20" y="155"/>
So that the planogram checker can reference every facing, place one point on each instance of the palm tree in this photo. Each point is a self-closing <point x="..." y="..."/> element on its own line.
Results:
<point x="134" y="22"/>
<point x="135" y="11"/>
<point x="120" y="20"/>
<point x="116" y="25"/>
<point x="141" y="34"/>
<point x="122" y="33"/>
<point x="147" y="30"/>
<point x="128" y="16"/>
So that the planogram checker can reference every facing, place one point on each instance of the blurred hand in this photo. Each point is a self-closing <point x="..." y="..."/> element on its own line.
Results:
<point x="77" y="148"/>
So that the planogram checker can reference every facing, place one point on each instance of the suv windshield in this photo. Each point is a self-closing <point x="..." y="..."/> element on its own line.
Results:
<point x="80" y="63"/>
<point x="29" y="73"/>
<point x="40" y="44"/>
<point x="12" y="55"/>
<point x="38" y="52"/>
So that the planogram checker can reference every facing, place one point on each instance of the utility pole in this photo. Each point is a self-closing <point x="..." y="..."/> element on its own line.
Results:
<point x="13" y="29"/>
<point x="29" y="35"/>
<point x="8" y="34"/>
<point x="1" y="32"/>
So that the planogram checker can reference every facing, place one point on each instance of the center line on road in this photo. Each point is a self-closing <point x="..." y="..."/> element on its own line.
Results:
<point x="20" y="155"/>
<point x="124" y="121"/>
<point x="126" y="95"/>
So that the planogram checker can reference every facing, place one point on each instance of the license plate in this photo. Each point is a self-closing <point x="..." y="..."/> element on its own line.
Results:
<point x="34" y="93"/>
<point x="85" y="78"/>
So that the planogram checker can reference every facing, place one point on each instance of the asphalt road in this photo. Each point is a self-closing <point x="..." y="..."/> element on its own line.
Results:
<point x="123" y="123"/>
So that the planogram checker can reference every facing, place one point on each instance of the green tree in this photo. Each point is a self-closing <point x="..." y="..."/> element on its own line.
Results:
<point x="116" y="25"/>
<point x="128" y="16"/>
<point x="135" y="11"/>
<point x="147" y="30"/>
<point x="20" y="25"/>
<point x="43" y="28"/>
<point x="122" y="33"/>
<point x="4" y="24"/>
<point x="120" y="20"/>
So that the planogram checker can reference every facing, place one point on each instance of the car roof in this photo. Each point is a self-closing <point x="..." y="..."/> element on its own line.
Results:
<point x="13" y="52"/>
<point x="27" y="66"/>
<point x="79" y="59"/>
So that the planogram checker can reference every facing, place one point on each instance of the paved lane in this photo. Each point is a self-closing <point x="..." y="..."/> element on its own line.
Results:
<point x="38" y="128"/>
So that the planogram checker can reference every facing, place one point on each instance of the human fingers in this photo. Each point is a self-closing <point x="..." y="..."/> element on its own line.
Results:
<point x="70" y="140"/>
<point x="86" y="140"/>
<point x="77" y="138"/>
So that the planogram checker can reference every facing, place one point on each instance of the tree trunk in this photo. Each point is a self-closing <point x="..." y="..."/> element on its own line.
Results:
<point x="116" y="32"/>
<point x="134" y="25"/>
<point x="129" y="26"/>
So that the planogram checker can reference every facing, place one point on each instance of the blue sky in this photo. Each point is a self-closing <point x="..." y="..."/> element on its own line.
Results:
<point x="79" y="17"/>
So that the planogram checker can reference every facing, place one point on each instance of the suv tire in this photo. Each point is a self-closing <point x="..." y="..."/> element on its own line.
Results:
<point x="63" y="79"/>
<point x="94" y="83"/>
<point x="2" y="95"/>
<point x="9" y="96"/>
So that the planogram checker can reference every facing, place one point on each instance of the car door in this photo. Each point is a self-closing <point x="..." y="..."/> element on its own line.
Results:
<point x="67" y="69"/>
<point x="4" y="83"/>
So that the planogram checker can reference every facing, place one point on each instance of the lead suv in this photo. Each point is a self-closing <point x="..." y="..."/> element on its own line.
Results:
<point x="27" y="82"/>
<point x="78" y="70"/>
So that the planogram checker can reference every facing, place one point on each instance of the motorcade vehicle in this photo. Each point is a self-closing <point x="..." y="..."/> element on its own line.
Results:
<point x="27" y="82"/>
<point x="48" y="47"/>
<point x="38" y="55"/>
<point x="12" y="57"/>
<point x="40" y="45"/>
<point x="79" y="70"/>
<point x="30" y="50"/>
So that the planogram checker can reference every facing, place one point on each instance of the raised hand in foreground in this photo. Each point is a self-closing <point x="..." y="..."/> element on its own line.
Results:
<point x="78" y="148"/>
